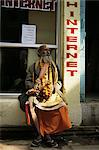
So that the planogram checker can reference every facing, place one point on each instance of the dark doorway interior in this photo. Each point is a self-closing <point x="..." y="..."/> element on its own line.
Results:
<point x="92" y="48"/>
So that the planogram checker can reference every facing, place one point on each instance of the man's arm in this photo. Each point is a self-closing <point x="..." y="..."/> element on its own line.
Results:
<point x="29" y="83"/>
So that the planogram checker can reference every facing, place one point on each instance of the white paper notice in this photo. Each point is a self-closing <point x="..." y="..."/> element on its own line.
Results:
<point x="28" y="34"/>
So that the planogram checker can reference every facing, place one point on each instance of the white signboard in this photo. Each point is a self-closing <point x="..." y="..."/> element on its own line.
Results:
<point x="42" y="5"/>
<point x="72" y="58"/>
<point x="28" y="34"/>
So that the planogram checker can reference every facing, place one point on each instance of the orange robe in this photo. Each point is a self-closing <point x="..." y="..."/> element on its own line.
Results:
<point x="53" y="121"/>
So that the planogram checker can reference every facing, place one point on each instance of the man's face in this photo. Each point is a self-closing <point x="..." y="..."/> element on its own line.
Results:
<point x="46" y="56"/>
<point x="45" y="53"/>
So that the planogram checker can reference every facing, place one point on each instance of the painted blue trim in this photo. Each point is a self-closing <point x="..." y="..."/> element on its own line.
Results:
<point x="82" y="50"/>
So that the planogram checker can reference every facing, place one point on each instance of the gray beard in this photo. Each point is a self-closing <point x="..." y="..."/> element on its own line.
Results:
<point x="46" y="59"/>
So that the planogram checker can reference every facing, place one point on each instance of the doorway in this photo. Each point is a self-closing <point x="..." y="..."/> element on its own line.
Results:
<point x="92" y="48"/>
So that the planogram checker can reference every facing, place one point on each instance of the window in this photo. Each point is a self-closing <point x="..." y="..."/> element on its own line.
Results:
<point x="13" y="69"/>
<point x="15" y="56"/>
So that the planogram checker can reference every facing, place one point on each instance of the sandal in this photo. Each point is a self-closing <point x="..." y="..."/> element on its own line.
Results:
<point x="50" y="142"/>
<point x="36" y="142"/>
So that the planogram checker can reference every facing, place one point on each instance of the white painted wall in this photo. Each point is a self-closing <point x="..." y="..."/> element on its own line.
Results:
<point x="10" y="112"/>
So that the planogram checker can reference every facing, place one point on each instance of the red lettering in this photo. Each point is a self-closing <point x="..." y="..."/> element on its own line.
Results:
<point x="71" y="38"/>
<point x="33" y="4"/>
<point x="39" y="4"/>
<point x="8" y="2"/>
<point x="72" y="30"/>
<point x="48" y="5"/>
<point x="24" y="3"/>
<point x="16" y="4"/>
<point x="71" y="14"/>
<point x="74" y="22"/>
<point x="29" y="4"/>
<point x="71" y="64"/>
<point x="52" y="5"/>
<point x="68" y="4"/>
<point x="2" y="2"/>
<point x="72" y="55"/>
<point x="72" y="72"/>
<point x="71" y="46"/>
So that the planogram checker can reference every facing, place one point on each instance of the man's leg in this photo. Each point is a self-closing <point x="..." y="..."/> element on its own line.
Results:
<point x="38" y="139"/>
<point x="33" y="114"/>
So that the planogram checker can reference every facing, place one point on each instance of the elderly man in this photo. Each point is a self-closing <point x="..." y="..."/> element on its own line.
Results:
<point x="49" y="111"/>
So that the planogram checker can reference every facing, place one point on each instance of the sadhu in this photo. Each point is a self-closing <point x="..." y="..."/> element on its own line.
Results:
<point x="48" y="109"/>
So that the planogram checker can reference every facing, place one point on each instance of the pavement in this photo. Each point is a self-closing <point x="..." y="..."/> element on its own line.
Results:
<point x="68" y="143"/>
<point x="82" y="138"/>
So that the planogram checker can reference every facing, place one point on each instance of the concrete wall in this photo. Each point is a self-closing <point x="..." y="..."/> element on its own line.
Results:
<point x="12" y="115"/>
<point x="10" y="112"/>
<point x="90" y="113"/>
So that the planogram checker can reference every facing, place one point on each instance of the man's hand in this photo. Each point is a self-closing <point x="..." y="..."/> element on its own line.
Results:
<point x="38" y="81"/>
<point x="32" y="91"/>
